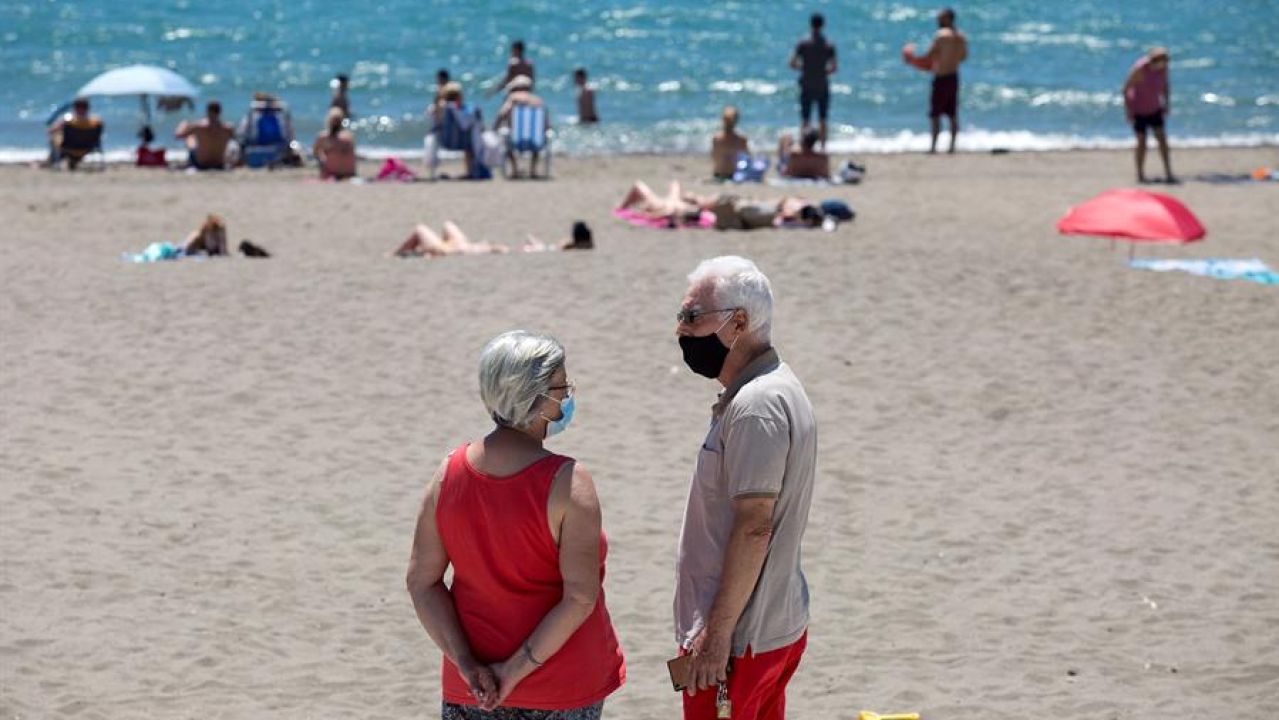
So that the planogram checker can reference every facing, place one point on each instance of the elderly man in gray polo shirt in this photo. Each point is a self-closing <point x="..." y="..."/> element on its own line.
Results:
<point x="739" y="589"/>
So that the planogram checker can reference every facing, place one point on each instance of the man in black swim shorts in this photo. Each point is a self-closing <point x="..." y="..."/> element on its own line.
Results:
<point x="814" y="58"/>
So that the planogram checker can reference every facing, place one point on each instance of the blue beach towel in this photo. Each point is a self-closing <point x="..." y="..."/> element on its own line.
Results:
<point x="155" y="252"/>
<point x="1219" y="268"/>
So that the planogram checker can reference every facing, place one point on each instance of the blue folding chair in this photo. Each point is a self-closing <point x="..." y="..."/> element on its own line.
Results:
<point x="529" y="134"/>
<point x="458" y="131"/>
<point x="265" y="138"/>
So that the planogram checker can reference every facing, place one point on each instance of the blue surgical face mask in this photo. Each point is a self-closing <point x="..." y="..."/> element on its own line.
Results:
<point x="567" y="406"/>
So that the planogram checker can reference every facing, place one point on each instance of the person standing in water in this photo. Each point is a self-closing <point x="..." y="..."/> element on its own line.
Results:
<point x="1146" y="103"/>
<point x="814" y="58"/>
<point x="586" y="113"/>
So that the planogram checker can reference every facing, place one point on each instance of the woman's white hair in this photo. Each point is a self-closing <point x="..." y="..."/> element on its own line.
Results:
<point x="737" y="283"/>
<point x="515" y="371"/>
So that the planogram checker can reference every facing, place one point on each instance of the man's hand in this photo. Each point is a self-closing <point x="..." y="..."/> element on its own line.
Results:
<point x="710" y="650"/>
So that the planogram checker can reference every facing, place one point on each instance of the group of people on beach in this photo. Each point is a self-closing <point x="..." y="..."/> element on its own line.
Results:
<point x="213" y="144"/>
<point x="523" y="626"/>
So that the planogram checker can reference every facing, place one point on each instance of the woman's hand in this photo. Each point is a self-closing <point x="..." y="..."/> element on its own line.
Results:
<point x="481" y="682"/>
<point x="510" y="673"/>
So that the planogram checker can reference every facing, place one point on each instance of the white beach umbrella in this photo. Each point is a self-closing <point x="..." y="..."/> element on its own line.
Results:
<point x="143" y="80"/>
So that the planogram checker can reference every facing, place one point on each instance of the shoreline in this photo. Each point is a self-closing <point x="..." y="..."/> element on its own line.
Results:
<point x="905" y="142"/>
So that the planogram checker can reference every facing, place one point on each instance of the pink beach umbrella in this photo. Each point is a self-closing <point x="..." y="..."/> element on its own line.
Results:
<point x="1135" y="216"/>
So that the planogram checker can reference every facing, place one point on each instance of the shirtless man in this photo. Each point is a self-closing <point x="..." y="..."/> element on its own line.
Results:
<point x="516" y="65"/>
<point x="519" y="92"/>
<point x="814" y="58"/>
<point x="207" y="139"/>
<point x="726" y="144"/>
<point x="334" y="148"/>
<point x="586" y="114"/>
<point x="949" y="49"/>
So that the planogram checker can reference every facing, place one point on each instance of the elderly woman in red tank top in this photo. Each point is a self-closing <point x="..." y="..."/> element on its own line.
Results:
<point x="523" y="626"/>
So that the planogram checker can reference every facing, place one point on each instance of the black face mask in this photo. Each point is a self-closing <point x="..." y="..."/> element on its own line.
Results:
<point x="704" y="355"/>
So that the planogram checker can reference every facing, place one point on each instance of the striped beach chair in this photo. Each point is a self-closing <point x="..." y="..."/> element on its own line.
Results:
<point x="529" y="134"/>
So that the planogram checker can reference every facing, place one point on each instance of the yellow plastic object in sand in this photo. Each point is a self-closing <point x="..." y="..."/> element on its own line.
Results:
<point x="868" y="715"/>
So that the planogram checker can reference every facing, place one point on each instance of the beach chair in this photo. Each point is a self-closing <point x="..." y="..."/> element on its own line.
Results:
<point x="81" y="140"/>
<point x="459" y="130"/>
<point x="265" y="135"/>
<point x="529" y="134"/>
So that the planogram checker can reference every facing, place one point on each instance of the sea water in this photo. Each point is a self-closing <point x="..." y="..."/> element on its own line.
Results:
<point x="1040" y="75"/>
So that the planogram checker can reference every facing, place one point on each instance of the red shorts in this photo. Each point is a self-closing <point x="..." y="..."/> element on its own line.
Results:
<point x="756" y="686"/>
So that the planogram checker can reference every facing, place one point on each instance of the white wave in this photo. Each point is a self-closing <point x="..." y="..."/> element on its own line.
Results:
<point x="678" y="139"/>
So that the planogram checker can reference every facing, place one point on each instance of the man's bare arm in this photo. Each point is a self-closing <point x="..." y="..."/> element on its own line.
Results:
<point x="743" y="560"/>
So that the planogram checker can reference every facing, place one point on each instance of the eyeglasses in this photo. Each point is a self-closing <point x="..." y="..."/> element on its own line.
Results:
<point x="688" y="317"/>
<point x="569" y="387"/>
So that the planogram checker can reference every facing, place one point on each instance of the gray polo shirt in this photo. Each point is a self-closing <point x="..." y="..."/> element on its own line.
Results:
<point x="762" y="443"/>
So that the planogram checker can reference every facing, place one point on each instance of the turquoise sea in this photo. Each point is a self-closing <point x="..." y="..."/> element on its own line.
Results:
<point x="1040" y="75"/>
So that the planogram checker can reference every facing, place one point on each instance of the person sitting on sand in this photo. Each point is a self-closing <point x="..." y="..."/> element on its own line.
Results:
<point x="581" y="240"/>
<point x="70" y="135"/>
<point x="807" y="161"/>
<point x="519" y="93"/>
<point x="207" y="139"/>
<point x="424" y="242"/>
<point x="586" y="114"/>
<point x="334" y="148"/>
<point x="726" y="145"/>
<point x="209" y="239"/>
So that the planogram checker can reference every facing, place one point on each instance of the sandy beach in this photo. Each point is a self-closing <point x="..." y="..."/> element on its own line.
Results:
<point x="1048" y="483"/>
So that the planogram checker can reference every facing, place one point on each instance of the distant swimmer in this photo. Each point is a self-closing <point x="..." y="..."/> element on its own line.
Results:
<point x="517" y="64"/>
<point x="949" y="49"/>
<point x="1146" y="103"/>
<point x="342" y="94"/>
<point x="586" y="113"/>
<point x="814" y="58"/>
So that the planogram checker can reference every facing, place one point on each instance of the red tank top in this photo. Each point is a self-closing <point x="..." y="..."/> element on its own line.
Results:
<point x="506" y="577"/>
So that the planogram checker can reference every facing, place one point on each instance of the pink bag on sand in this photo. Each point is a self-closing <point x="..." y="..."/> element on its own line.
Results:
<point x="394" y="169"/>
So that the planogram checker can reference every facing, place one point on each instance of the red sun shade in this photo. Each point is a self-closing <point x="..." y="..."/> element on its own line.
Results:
<point x="1134" y="215"/>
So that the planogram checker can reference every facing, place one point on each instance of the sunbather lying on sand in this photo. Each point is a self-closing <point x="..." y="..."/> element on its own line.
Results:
<point x="424" y="242"/>
<point x="581" y="240"/>
<point x="731" y="212"/>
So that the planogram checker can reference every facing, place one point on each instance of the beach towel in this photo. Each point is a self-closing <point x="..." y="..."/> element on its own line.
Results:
<point x="155" y="252"/>
<point x="395" y="169"/>
<point x="1220" y="268"/>
<point x="639" y="219"/>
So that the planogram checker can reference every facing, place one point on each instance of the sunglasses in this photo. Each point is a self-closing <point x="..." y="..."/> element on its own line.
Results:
<point x="688" y="317"/>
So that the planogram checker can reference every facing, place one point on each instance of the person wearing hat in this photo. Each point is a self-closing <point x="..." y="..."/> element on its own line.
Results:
<point x="519" y="92"/>
<point x="1146" y="103"/>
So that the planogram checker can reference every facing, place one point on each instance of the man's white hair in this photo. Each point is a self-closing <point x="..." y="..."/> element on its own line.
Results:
<point x="737" y="283"/>
<point x="515" y="371"/>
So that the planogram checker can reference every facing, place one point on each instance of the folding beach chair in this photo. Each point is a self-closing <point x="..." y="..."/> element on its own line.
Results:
<point x="265" y="135"/>
<point x="529" y="134"/>
<point x="459" y="130"/>
<point x="80" y="140"/>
